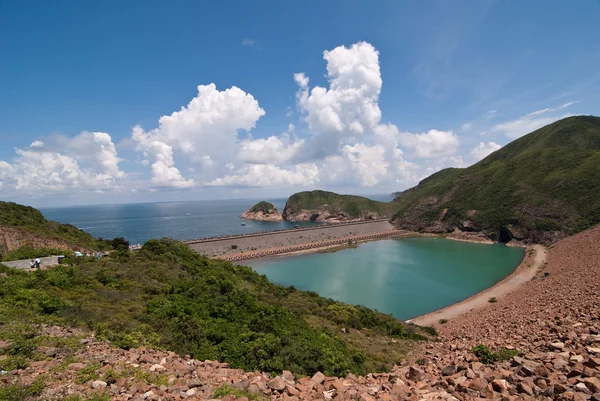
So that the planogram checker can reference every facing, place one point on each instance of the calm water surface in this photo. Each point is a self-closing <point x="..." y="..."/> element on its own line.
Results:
<point x="179" y="220"/>
<point x="405" y="277"/>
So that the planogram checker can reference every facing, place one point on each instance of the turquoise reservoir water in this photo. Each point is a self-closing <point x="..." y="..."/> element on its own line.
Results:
<point x="406" y="277"/>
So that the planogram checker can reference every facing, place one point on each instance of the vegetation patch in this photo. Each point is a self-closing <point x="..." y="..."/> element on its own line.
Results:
<point x="29" y="252"/>
<point x="539" y="187"/>
<point x="167" y="296"/>
<point x="354" y="206"/>
<point x="225" y="390"/>
<point x="487" y="356"/>
<point x="18" y="392"/>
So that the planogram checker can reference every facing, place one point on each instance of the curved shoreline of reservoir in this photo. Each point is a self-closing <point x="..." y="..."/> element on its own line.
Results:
<point x="407" y="277"/>
<point x="535" y="257"/>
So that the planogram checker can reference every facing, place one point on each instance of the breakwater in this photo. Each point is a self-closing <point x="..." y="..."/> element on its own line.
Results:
<point x="312" y="245"/>
<point x="309" y="237"/>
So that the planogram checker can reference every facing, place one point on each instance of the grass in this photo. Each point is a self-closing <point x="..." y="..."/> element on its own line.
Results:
<point x="487" y="356"/>
<point x="29" y="252"/>
<point x="544" y="183"/>
<point x="167" y="296"/>
<point x="92" y="397"/>
<point x="17" y="392"/>
<point x="225" y="390"/>
<point x="89" y="373"/>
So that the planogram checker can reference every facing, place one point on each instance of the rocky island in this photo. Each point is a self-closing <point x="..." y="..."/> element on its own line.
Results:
<point x="262" y="211"/>
<point x="329" y="207"/>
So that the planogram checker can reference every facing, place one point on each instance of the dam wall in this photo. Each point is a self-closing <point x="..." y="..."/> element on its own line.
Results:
<point x="226" y="247"/>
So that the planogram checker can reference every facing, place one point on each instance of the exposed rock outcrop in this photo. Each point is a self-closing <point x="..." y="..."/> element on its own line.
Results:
<point x="323" y="215"/>
<point x="262" y="211"/>
<point x="12" y="238"/>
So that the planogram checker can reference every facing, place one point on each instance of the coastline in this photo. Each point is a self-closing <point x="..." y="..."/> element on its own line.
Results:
<point x="535" y="257"/>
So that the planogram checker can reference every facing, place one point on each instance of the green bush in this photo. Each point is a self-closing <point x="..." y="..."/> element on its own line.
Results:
<point x="167" y="296"/>
<point x="493" y="300"/>
<point x="29" y="252"/>
<point x="485" y="355"/>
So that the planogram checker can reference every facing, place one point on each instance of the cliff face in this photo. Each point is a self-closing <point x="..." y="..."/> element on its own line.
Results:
<point x="262" y="211"/>
<point x="12" y="238"/>
<point x="323" y="215"/>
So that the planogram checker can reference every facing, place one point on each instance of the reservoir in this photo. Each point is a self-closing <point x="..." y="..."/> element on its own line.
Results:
<point x="405" y="277"/>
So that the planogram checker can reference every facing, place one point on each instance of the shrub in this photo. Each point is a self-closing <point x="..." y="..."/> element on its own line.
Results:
<point x="443" y="321"/>
<point x="493" y="300"/>
<point x="225" y="390"/>
<point x="29" y="252"/>
<point x="16" y="392"/>
<point x="486" y="355"/>
<point x="234" y="246"/>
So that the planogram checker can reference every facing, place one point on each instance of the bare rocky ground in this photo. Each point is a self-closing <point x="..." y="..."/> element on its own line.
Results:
<point x="553" y="321"/>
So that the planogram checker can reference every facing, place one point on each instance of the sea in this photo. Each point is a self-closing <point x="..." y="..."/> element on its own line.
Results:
<point x="140" y="222"/>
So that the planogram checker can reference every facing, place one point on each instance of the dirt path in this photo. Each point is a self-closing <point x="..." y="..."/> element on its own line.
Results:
<point x="522" y="274"/>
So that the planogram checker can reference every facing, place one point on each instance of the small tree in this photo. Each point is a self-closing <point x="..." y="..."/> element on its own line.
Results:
<point x="119" y="244"/>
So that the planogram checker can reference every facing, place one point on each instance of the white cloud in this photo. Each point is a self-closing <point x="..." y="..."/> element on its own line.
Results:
<point x="431" y="144"/>
<point x="484" y="149"/>
<point x="530" y="122"/>
<point x="466" y="126"/>
<point x="270" y="150"/>
<point x="207" y="127"/>
<point x="248" y="42"/>
<point x="86" y="162"/>
<point x="268" y="175"/>
<point x="350" y="105"/>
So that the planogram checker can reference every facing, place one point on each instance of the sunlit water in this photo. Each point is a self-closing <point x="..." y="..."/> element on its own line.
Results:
<point x="179" y="220"/>
<point x="404" y="277"/>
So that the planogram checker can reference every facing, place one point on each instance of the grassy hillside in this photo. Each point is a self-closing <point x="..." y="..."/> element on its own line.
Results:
<point x="32" y="229"/>
<point x="167" y="296"/>
<point x="353" y="206"/>
<point x="263" y="206"/>
<point x="538" y="188"/>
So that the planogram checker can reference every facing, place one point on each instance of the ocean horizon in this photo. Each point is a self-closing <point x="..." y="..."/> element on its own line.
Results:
<point x="139" y="222"/>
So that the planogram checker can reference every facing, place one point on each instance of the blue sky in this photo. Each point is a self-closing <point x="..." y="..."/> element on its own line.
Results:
<point x="405" y="89"/>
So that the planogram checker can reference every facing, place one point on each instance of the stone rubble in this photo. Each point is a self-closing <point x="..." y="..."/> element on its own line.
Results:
<point x="554" y="321"/>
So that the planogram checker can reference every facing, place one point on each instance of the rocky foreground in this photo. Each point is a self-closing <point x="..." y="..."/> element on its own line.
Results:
<point x="549" y="329"/>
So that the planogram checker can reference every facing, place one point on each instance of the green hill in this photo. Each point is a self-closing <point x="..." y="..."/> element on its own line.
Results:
<point x="167" y="296"/>
<point x="263" y="206"/>
<point x="539" y="188"/>
<point x="323" y="206"/>
<point x="25" y="229"/>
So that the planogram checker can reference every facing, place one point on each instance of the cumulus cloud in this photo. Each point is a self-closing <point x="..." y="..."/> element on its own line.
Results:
<point x="484" y="149"/>
<point x="530" y="122"/>
<point x="206" y="128"/>
<point x="86" y="162"/>
<point x="270" y="150"/>
<point x="265" y="175"/>
<point x="341" y="142"/>
<point x="350" y="105"/>
<point x="432" y="143"/>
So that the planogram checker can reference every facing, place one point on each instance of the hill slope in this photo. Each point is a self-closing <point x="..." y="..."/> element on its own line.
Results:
<point x="166" y="295"/>
<point x="25" y="226"/>
<point x="539" y="188"/>
<point x="326" y="206"/>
